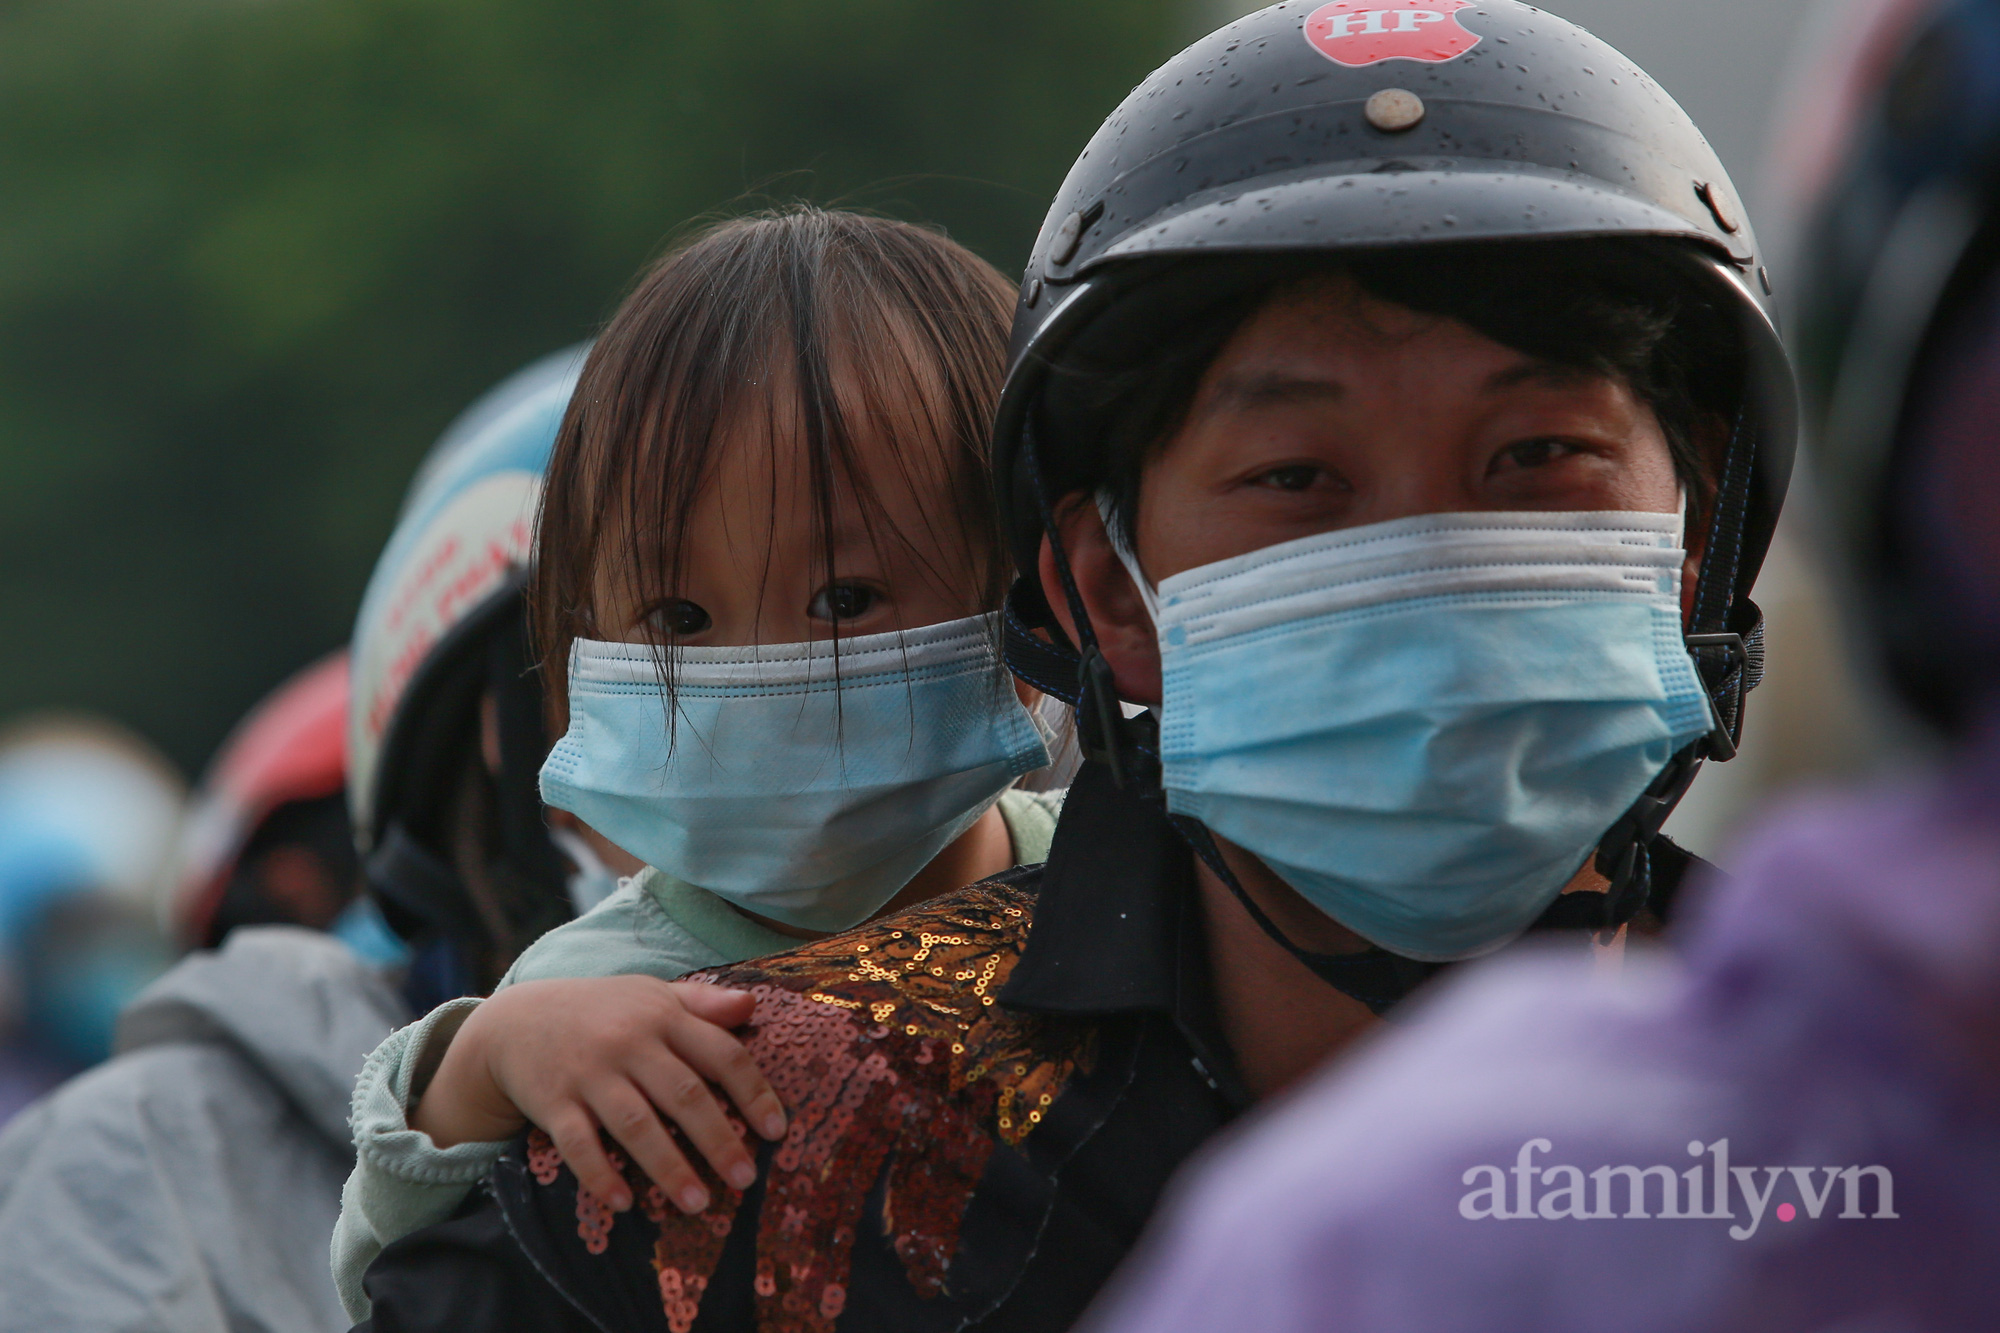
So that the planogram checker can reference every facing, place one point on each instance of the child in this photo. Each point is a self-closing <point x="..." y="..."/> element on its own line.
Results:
<point x="766" y="570"/>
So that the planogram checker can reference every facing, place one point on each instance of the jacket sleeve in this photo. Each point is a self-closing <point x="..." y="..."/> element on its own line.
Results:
<point x="401" y="1181"/>
<point x="173" y="1188"/>
<point x="467" y="1275"/>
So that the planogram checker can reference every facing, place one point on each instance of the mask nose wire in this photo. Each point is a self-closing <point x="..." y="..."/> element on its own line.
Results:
<point x="1147" y="593"/>
<point x="1151" y="597"/>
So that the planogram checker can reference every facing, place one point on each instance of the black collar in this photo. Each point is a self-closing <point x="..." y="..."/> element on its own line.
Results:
<point x="1118" y="925"/>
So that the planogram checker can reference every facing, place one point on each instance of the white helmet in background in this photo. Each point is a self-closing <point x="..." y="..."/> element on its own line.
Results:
<point x="442" y="629"/>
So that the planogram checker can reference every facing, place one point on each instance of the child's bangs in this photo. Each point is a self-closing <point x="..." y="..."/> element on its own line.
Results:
<point x="862" y="354"/>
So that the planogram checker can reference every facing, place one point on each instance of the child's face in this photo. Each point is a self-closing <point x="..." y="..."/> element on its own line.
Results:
<point x="753" y="569"/>
<point x="1330" y="409"/>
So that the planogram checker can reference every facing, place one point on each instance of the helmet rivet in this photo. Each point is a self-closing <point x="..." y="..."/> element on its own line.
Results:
<point x="1710" y="196"/>
<point x="1033" y="292"/>
<point x="1394" y="110"/>
<point x="1068" y="236"/>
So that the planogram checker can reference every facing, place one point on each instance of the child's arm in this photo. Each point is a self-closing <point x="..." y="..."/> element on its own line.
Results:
<point x="612" y="1052"/>
<point x="401" y="1182"/>
<point x="404" y="1180"/>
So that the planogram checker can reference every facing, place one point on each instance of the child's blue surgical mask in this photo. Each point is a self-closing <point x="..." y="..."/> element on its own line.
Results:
<point x="798" y="789"/>
<point x="1425" y="726"/>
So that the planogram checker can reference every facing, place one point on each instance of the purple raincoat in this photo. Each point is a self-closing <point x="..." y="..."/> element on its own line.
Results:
<point x="1807" y="1097"/>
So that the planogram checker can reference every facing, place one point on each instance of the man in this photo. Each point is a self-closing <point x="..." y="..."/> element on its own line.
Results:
<point x="1386" y="546"/>
<point x="1794" y="1123"/>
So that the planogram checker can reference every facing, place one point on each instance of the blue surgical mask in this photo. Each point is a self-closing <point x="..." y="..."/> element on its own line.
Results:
<point x="800" y="786"/>
<point x="368" y="935"/>
<point x="1425" y="726"/>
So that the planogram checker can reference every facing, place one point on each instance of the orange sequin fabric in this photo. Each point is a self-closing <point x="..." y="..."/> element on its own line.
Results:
<point x="891" y="1056"/>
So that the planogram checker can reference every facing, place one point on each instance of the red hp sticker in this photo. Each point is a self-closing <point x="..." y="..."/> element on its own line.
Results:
<point x="1361" y="32"/>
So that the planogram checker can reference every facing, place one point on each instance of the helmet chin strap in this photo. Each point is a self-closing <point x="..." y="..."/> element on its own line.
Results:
<point x="1129" y="747"/>
<point x="1374" y="976"/>
<point x="1101" y="726"/>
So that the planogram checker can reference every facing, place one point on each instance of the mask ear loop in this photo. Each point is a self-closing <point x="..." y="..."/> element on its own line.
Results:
<point x="1101" y="726"/>
<point x="1122" y="548"/>
<point x="1374" y="976"/>
<point x="1721" y="658"/>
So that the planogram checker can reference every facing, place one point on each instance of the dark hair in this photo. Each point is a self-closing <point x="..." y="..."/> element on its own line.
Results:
<point x="801" y="297"/>
<point x="1621" y="308"/>
<point x="318" y="827"/>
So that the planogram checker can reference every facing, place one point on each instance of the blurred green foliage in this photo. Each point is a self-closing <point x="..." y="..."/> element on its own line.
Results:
<point x="254" y="254"/>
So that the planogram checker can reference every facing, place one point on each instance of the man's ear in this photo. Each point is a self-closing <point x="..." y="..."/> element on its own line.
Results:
<point x="1125" y="633"/>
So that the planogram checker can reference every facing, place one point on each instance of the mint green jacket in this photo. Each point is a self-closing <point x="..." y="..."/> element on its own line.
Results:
<point x="654" y="925"/>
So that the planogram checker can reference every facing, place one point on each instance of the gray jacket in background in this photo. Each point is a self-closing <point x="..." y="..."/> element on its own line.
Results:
<point x="192" y="1182"/>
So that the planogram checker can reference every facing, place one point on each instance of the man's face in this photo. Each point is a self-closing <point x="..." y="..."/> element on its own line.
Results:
<point x="1329" y="409"/>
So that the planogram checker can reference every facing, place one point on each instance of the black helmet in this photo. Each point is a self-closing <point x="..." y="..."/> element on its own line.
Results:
<point x="1308" y="129"/>
<point x="1894" y="171"/>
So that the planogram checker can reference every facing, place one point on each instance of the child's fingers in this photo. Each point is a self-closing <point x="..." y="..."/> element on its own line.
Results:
<point x="719" y="1057"/>
<point x="575" y="1135"/>
<point x="625" y="1112"/>
<point x="719" y="1005"/>
<point x="684" y="1098"/>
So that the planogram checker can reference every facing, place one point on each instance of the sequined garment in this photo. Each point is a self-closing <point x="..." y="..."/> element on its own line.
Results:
<point x="889" y="1052"/>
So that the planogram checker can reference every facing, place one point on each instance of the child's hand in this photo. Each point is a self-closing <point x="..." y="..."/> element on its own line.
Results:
<point x="616" y="1052"/>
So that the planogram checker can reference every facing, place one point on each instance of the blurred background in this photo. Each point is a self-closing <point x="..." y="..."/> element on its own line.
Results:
<point x="254" y="254"/>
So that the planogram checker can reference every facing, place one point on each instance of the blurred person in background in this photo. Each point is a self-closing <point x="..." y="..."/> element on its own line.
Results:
<point x="268" y="841"/>
<point x="88" y="813"/>
<point x="446" y="736"/>
<point x="445" y="731"/>
<point x="1808" y="1093"/>
<point x="191" y="1182"/>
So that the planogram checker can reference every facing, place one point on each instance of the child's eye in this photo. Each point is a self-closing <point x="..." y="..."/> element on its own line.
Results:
<point x="843" y="601"/>
<point x="678" y="618"/>
<point x="1290" y="477"/>
<point x="1530" y="454"/>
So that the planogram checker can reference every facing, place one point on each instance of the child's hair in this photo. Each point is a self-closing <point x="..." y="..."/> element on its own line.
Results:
<point x="771" y="319"/>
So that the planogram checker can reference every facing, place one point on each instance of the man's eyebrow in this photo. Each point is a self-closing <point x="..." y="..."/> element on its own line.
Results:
<point x="1274" y="388"/>
<point x="1546" y="373"/>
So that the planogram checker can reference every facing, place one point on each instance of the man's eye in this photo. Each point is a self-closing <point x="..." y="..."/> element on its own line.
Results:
<point x="843" y="601"/>
<point x="1533" y="454"/>
<point x="1290" y="477"/>
<point x="678" y="619"/>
